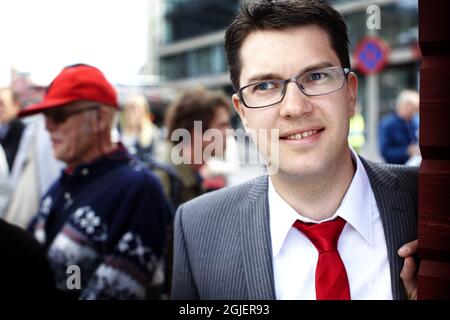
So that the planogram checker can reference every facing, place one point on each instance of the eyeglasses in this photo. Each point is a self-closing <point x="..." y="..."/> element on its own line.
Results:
<point x="312" y="83"/>
<point x="60" y="115"/>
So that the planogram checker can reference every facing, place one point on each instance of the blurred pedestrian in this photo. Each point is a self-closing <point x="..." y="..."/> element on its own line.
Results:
<point x="35" y="169"/>
<point x="30" y="166"/>
<point x="25" y="274"/>
<point x="399" y="130"/>
<point x="193" y="114"/>
<point x="11" y="128"/>
<point x="210" y="111"/>
<point x="105" y="215"/>
<point x="217" y="170"/>
<point x="138" y="133"/>
<point x="356" y="136"/>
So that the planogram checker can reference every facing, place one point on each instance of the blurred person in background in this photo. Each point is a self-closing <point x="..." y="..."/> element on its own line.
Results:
<point x="186" y="182"/>
<point x="221" y="166"/>
<point x="25" y="274"/>
<point x="399" y="130"/>
<point x="211" y="110"/>
<point x="30" y="166"/>
<point x="11" y="128"/>
<point x="24" y="270"/>
<point x="138" y="133"/>
<point x="105" y="214"/>
<point x="356" y="137"/>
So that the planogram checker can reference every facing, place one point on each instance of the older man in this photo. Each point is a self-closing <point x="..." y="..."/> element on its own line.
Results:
<point x="102" y="222"/>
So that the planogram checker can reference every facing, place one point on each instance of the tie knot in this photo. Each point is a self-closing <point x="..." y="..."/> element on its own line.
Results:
<point x="323" y="235"/>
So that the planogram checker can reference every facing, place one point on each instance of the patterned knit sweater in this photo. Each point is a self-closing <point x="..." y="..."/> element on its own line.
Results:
<point x="107" y="220"/>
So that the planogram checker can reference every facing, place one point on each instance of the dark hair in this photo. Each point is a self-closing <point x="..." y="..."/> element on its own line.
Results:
<point x="194" y="105"/>
<point x="280" y="15"/>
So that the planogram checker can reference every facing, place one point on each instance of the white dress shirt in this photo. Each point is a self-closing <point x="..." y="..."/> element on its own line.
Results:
<point x="362" y="245"/>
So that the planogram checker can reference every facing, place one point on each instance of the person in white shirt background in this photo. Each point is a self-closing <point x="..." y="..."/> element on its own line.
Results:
<point x="27" y="165"/>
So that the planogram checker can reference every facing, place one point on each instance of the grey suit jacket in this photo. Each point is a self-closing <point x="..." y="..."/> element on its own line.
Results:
<point x="222" y="244"/>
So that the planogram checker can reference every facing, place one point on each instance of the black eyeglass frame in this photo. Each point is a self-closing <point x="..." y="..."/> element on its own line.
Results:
<point x="346" y="71"/>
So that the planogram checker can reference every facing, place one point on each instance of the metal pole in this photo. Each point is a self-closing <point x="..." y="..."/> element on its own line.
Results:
<point x="373" y="110"/>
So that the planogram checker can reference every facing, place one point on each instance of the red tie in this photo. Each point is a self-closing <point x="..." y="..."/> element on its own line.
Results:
<point x="331" y="277"/>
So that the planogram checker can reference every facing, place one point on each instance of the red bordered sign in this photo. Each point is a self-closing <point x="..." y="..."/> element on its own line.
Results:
<point x="371" y="55"/>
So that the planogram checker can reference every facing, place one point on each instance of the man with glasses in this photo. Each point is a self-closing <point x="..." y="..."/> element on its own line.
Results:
<point x="326" y="224"/>
<point x="102" y="222"/>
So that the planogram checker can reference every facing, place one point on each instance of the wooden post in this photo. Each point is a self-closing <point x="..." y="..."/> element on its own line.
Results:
<point x="434" y="174"/>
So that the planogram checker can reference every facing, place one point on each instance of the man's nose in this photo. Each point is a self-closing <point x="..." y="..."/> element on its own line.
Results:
<point x="295" y="103"/>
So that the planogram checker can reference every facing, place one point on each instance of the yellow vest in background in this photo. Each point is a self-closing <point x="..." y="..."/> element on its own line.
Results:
<point x="356" y="137"/>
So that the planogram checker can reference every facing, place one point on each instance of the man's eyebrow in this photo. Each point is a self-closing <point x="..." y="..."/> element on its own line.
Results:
<point x="264" y="76"/>
<point x="319" y="65"/>
<point x="271" y="76"/>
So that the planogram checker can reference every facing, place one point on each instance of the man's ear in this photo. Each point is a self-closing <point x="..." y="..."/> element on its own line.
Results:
<point x="102" y="119"/>
<point x="352" y="86"/>
<point x="239" y="109"/>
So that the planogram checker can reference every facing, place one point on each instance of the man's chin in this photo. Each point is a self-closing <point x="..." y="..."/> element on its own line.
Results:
<point x="298" y="169"/>
<point x="59" y="155"/>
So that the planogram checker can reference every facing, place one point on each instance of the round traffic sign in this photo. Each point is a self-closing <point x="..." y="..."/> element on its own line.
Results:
<point x="371" y="55"/>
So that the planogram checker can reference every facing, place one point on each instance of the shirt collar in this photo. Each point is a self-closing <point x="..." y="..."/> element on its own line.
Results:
<point x="118" y="155"/>
<point x="357" y="206"/>
<point x="356" y="209"/>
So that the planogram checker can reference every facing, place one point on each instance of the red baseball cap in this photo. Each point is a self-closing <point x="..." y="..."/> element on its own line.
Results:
<point x="76" y="82"/>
